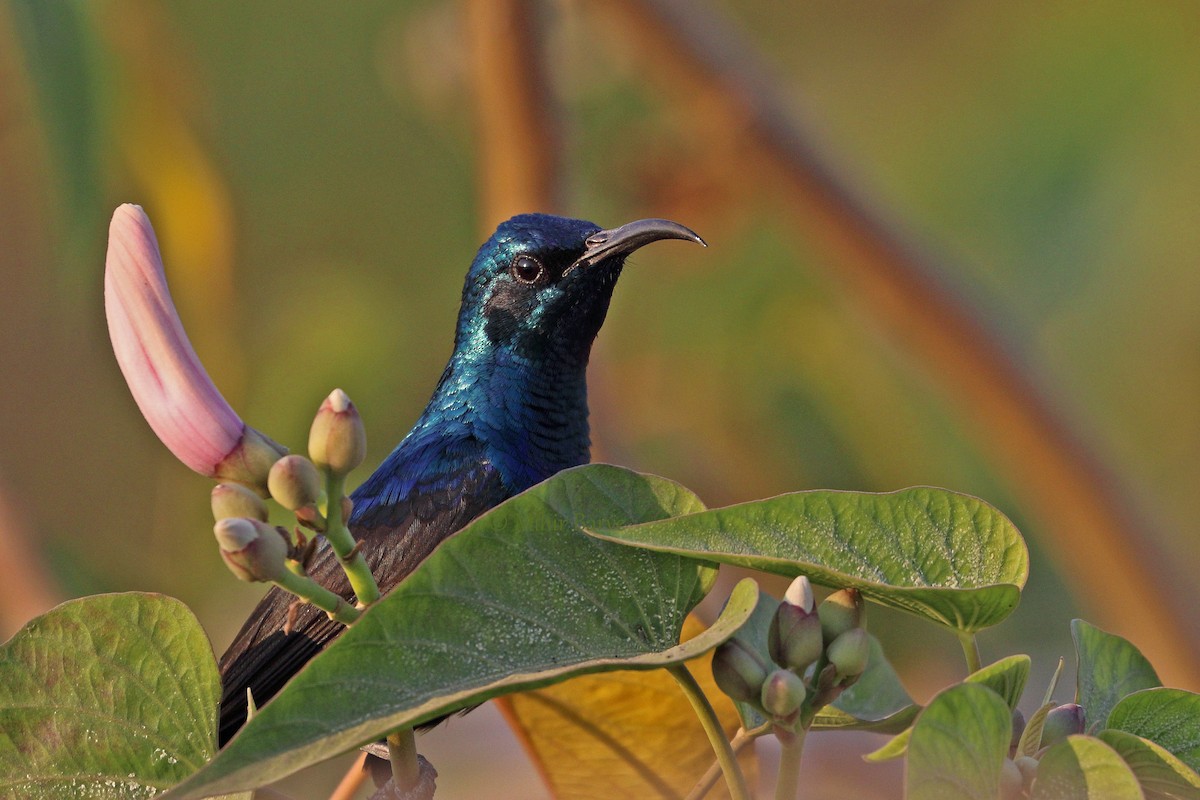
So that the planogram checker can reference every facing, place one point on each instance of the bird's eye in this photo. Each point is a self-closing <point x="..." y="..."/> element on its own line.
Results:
<point x="526" y="269"/>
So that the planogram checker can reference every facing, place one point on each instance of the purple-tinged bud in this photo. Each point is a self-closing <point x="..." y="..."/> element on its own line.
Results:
<point x="1018" y="728"/>
<point x="1061" y="722"/>
<point x="783" y="693"/>
<point x="849" y="653"/>
<point x="800" y="594"/>
<point x="294" y="482"/>
<point x="739" y="671"/>
<point x="234" y="500"/>
<point x="337" y="440"/>
<point x="840" y="612"/>
<point x="253" y="550"/>
<point x="165" y="376"/>
<point x="794" y="638"/>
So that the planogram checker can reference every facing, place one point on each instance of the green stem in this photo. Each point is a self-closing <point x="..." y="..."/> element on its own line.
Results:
<point x="970" y="648"/>
<point x="342" y="542"/>
<point x="734" y="778"/>
<point x="306" y="588"/>
<point x="791" y="747"/>
<point x="402" y="752"/>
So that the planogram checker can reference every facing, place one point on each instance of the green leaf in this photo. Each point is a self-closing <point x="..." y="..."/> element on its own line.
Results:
<point x="1109" y="668"/>
<point x="944" y="556"/>
<point x="112" y="696"/>
<point x="1006" y="677"/>
<point x="1084" y="768"/>
<point x="1031" y="738"/>
<point x="958" y="745"/>
<point x="1161" y="775"/>
<point x="1169" y="717"/>
<point x="521" y="598"/>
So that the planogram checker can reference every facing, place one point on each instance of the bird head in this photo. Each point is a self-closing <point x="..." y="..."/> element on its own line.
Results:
<point x="539" y="288"/>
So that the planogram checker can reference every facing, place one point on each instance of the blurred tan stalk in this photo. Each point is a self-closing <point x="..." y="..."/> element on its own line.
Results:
<point x="26" y="589"/>
<point x="1115" y="564"/>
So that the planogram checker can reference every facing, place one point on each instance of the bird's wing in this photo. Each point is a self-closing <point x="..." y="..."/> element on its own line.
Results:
<point x="397" y="529"/>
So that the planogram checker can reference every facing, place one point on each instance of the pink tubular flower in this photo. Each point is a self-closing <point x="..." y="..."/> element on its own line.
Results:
<point x="167" y="380"/>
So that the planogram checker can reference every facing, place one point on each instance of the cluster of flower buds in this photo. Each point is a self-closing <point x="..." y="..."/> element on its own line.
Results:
<point x="189" y="415"/>
<point x="816" y="652"/>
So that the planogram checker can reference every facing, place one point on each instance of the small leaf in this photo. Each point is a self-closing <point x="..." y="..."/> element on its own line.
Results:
<point x="636" y="730"/>
<point x="1084" y="768"/>
<point x="1109" y="667"/>
<point x="111" y="696"/>
<point x="1161" y="775"/>
<point x="1031" y="737"/>
<point x="1169" y="717"/>
<point x="958" y="745"/>
<point x="520" y="598"/>
<point x="1006" y="677"/>
<point x="944" y="556"/>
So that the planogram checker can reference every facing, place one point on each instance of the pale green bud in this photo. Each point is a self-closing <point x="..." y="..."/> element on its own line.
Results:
<point x="849" y="653"/>
<point x="337" y="440"/>
<point x="234" y="500"/>
<point x="1028" y="766"/>
<point x="739" y="671"/>
<point x="783" y="693"/>
<point x="1012" y="782"/>
<point x="294" y="482"/>
<point x="253" y="550"/>
<point x="840" y="612"/>
<point x="794" y="638"/>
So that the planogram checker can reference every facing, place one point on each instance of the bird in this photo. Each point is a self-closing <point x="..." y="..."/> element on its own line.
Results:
<point x="509" y="411"/>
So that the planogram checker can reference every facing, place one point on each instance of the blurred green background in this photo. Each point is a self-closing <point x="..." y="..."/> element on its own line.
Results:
<point x="313" y="174"/>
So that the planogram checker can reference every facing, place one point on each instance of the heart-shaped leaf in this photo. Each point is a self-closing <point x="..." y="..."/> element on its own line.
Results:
<point x="958" y="745"/>
<point x="1006" y="677"/>
<point x="1161" y="775"/>
<point x="945" y="556"/>
<point x="1084" y="768"/>
<point x="111" y="696"/>
<point x="521" y="598"/>
<point x="1109" y="668"/>
<point x="1169" y="717"/>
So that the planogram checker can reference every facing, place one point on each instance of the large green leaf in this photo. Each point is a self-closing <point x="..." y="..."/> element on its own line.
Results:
<point x="958" y="745"/>
<point x="112" y="696"/>
<point x="1161" y="775"/>
<point x="1084" y="768"/>
<point x="1109" y="667"/>
<point x="1169" y="717"/>
<point x="520" y="598"/>
<point x="948" y="557"/>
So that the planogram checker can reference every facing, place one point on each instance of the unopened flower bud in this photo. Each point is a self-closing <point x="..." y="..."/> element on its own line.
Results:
<point x="849" y="653"/>
<point x="800" y="593"/>
<point x="783" y="693"/>
<point x="337" y="440"/>
<point x="294" y="482"/>
<point x="1018" y="728"/>
<point x="234" y="500"/>
<point x="739" y="671"/>
<point x="840" y="612"/>
<point x="794" y="638"/>
<point x="1028" y="766"/>
<point x="253" y="550"/>
<point x="1012" y="782"/>
<point x="1061" y="722"/>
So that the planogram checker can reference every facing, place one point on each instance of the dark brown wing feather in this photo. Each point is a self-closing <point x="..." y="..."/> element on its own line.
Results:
<point x="395" y="539"/>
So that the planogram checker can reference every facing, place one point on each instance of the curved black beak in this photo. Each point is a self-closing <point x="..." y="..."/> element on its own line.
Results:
<point x="629" y="237"/>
